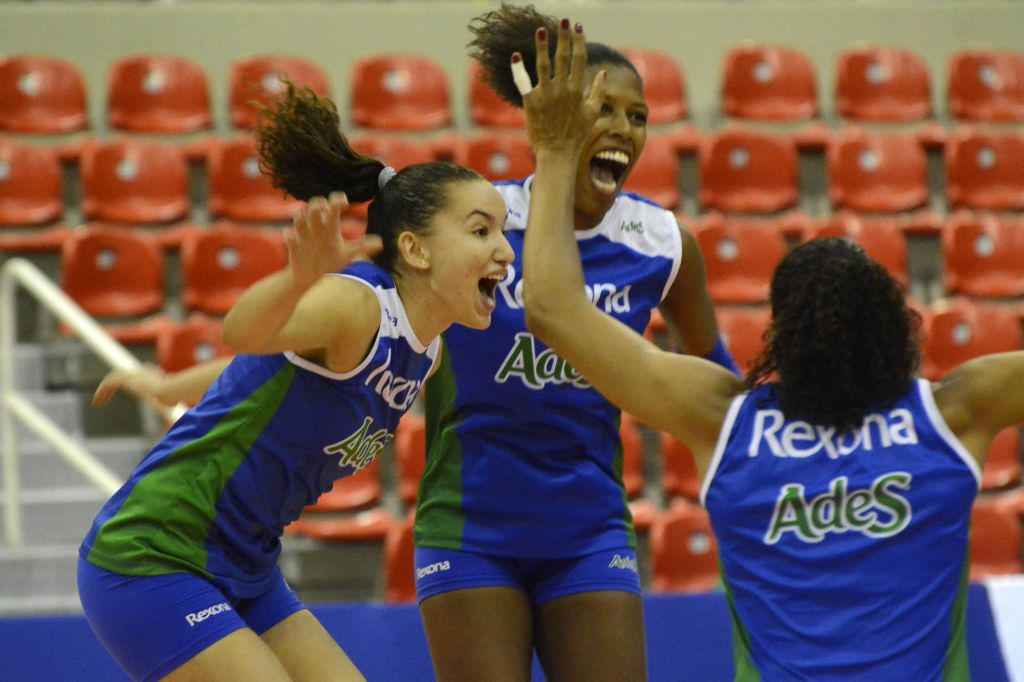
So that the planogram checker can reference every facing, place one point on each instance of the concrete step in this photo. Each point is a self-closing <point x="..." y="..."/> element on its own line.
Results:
<point x="29" y="367"/>
<point x="41" y="466"/>
<point x="40" y="579"/>
<point x="57" y="515"/>
<point x="64" y="408"/>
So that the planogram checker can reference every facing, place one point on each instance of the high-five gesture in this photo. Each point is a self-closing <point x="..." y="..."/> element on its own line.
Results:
<point x="558" y="114"/>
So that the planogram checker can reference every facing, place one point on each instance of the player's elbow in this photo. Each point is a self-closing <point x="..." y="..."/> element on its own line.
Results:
<point x="541" y="311"/>
<point x="232" y="333"/>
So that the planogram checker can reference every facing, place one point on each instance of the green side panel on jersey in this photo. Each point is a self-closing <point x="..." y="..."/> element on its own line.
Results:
<point x="440" y="520"/>
<point x="746" y="671"/>
<point x="618" y="465"/>
<point x="957" y="668"/>
<point x="162" y="525"/>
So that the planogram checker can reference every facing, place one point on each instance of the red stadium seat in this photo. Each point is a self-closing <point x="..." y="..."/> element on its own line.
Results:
<point x="41" y="95"/>
<point x="664" y="84"/>
<point x="743" y="328"/>
<point x="238" y="188"/>
<point x="31" y="184"/>
<point x="871" y="171"/>
<point x="986" y="85"/>
<point x="368" y="525"/>
<point x="397" y="152"/>
<point x="747" y="171"/>
<point x="881" y="237"/>
<point x="740" y="256"/>
<point x="255" y="82"/>
<point x="957" y="330"/>
<point x="678" y="470"/>
<point x="882" y="84"/>
<point x="995" y="541"/>
<point x="399" y="562"/>
<point x="410" y="455"/>
<point x="358" y="491"/>
<point x="132" y="181"/>
<point x="684" y="552"/>
<point x="1002" y="462"/>
<point x="400" y="92"/>
<point x="219" y="263"/>
<point x="116" y="275"/>
<point x="194" y="341"/>
<point x="985" y="170"/>
<point x="656" y="174"/>
<point x="486" y="108"/>
<point x="158" y="94"/>
<point x="496" y="156"/>
<point x="769" y="83"/>
<point x="983" y="255"/>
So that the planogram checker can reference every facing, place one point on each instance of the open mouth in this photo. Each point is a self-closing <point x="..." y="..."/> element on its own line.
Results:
<point x="488" y="286"/>
<point x="607" y="169"/>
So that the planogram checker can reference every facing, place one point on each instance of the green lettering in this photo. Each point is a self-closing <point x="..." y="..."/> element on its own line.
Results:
<point x="895" y="504"/>
<point x="520" y="362"/>
<point x="791" y="515"/>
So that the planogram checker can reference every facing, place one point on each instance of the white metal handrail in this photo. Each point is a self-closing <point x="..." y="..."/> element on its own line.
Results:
<point x="13" y="406"/>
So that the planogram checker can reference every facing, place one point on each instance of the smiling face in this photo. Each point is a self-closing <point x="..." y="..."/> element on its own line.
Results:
<point x="614" y="146"/>
<point x="467" y="252"/>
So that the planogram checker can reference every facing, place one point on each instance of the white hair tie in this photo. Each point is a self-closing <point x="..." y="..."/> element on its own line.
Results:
<point x="385" y="176"/>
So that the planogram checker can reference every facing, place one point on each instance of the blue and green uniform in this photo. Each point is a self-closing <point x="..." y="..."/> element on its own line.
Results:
<point x="272" y="433"/>
<point x="844" y="557"/>
<point x="524" y="458"/>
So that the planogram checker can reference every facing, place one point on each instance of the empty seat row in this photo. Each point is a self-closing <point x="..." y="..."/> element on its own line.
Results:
<point x="171" y="93"/>
<point x="740" y="170"/>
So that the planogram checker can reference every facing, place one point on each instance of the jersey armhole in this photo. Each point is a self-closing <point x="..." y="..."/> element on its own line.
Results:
<point x="931" y="408"/>
<point x="723" y="439"/>
<point x="302" y="362"/>
<point x="677" y="256"/>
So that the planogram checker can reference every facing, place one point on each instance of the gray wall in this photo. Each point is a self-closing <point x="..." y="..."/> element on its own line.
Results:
<point x="697" y="33"/>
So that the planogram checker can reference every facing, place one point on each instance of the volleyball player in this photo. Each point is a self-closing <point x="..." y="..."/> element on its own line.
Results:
<point x="839" y="485"/>
<point x="178" y="575"/>
<point x="524" y="540"/>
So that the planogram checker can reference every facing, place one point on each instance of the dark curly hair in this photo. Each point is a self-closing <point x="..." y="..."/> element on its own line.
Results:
<point x="510" y="28"/>
<point x="842" y="341"/>
<point x="302" y="149"/>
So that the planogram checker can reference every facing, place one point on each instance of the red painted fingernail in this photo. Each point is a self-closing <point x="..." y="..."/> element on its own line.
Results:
<point x="565" y="24"/>
<point x="542" y="33"/>
<point x="579" y="28"/>
<point x="516" y="57"/>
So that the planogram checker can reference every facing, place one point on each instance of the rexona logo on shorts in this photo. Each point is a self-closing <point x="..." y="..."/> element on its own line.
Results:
<point x="626" y="563"/>
<point x="431" y="569"/>
<point x="200" y="616"/>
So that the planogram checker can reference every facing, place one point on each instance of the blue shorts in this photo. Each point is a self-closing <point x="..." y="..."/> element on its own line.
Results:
<point x="153" y="624"/>
<point x="442" y="570"/>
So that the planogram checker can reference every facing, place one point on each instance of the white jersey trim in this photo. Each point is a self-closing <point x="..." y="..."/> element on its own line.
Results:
<point x="723" y="439"/>
<point x="924" y="388"/>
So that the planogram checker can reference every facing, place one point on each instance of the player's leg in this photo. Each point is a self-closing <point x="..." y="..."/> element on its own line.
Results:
<point x="242" y="655"/>
<point x="590" y="621"/>
<point x="299" y="641"/>
<point x="308" y="652"/>
<point x="481" y="633"/>
<point x="477" y="618"/>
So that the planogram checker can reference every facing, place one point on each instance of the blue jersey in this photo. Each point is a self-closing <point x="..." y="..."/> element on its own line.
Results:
<point x="844" y="557"/>
<point x="524" y="457"/>
<point x="270" y="435"/>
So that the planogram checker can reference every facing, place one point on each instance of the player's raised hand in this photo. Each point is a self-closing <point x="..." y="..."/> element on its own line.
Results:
<point x="559" y="111"/>
<point x="316" y="245"/>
